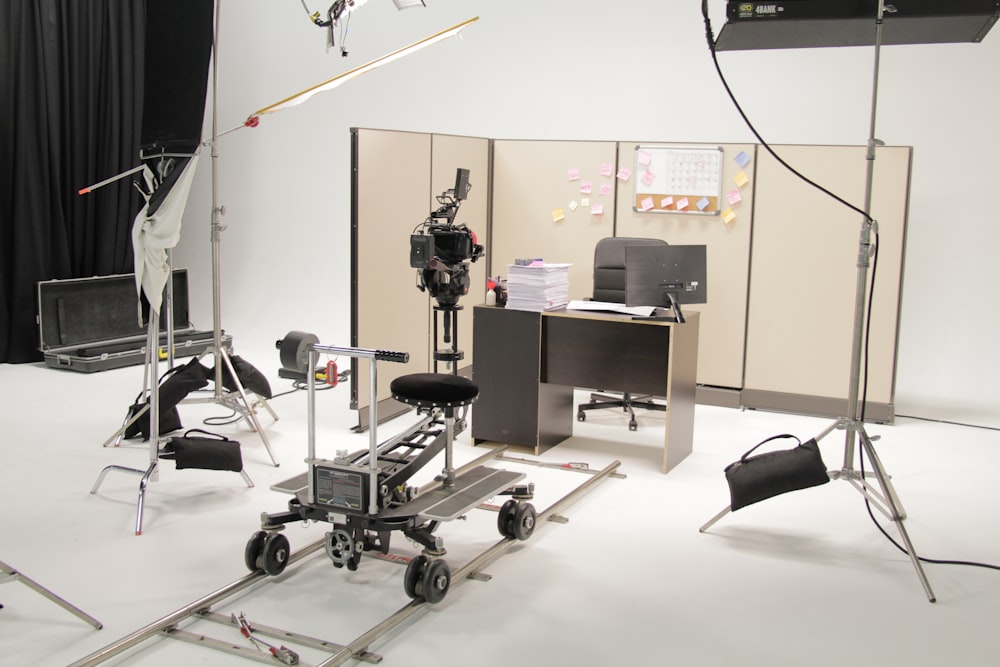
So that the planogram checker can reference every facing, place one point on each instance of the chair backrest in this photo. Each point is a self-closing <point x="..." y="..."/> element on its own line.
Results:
<point x="609" y="266"/>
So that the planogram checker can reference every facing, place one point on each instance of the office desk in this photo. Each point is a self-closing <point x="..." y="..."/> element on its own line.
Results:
<point x="527" y="365"/>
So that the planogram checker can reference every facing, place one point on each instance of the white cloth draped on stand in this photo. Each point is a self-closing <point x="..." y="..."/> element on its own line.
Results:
<point x="157" y="228"/>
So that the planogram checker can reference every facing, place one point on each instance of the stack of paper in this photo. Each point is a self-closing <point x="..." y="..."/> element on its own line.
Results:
<point x="537" y="286"/>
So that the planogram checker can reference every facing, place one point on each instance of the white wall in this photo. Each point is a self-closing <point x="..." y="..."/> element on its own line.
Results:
<point x="584" y="69"/>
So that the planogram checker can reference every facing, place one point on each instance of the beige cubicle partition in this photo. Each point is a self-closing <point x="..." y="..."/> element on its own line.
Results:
<point x="804" y="279"/>
<point x="396" y="179"/>
<point x="722" y="337"/>
<point x="540" y="209"/>
<point x="777" y="330"/>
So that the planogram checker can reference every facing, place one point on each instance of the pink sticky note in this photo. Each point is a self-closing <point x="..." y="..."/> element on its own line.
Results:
<point x="597" y="209"/>
<point x="682" y="203"/>
<point x="734" y="197"/>
<point x="646" y="204"/>
<point x="605" y="189"/>
<point x="666" y="202"/>
<point x="573" y="174"/>
<point x="624" y="174"/>
<point x="586" y="187"/>
<point x="648" y="177"/>
<point x="644" y="158"/>
<point x="607" y="169"/>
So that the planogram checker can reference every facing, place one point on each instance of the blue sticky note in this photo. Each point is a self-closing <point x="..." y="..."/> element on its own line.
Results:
<point x="702" y="203"/>
<point x="742" y="159"/>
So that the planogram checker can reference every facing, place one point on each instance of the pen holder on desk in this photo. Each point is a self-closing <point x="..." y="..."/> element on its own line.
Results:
<point x="501" y="293"/>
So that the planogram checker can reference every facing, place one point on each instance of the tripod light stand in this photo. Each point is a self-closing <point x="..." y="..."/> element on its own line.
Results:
<point x="883" y="498"/>
<point x="237" y="399"/>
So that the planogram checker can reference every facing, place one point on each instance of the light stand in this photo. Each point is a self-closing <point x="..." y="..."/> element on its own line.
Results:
<point x="885" y="500"/>
<point x="237" y="400"/>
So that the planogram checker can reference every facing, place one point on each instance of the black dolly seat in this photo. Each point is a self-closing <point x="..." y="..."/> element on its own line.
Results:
<point x="434" y="390"/>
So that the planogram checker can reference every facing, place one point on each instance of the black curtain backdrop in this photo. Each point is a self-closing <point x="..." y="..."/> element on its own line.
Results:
<point x="71" y="93"/>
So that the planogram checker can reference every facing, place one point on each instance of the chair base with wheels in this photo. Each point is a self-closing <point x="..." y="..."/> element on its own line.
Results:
<point x="609" y="286"/>
<point x="627" y="402"/>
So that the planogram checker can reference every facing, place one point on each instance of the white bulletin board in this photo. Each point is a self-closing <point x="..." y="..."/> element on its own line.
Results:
<point x="678" y="179"/>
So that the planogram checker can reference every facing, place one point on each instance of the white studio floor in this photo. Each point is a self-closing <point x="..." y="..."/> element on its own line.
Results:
<point x="801" y="579"/>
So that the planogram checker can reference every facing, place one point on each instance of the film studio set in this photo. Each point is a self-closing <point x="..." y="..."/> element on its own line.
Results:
<point x="441" y="332"/>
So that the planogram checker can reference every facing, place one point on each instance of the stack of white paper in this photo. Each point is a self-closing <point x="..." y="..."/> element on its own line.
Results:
<point x="537" y="287"/>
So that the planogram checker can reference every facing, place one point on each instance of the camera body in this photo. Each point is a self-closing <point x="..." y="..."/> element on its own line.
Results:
<point x="441" y="251"/>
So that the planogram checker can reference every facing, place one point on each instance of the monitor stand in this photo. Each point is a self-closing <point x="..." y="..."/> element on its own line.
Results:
<point x="675" y="308"/>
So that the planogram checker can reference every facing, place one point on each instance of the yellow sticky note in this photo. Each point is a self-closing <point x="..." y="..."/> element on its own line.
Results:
<point x="728" y="216"/>
<point x="741" y="179"/>
<point x="558" y="215"/>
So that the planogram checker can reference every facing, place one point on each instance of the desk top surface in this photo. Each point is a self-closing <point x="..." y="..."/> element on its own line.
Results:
<point x="602" y="315"/>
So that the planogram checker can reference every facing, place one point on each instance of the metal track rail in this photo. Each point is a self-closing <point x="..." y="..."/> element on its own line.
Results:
<point x="357" y="649"/>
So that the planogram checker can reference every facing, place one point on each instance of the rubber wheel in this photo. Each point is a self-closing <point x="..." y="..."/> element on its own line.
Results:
<point x="414" y="576"/>
<point x="253" y="550"/>
<point x="274" y="556"/>
<point x="581" y="416"/>
<point x="524" y="521"/>
<point x="436" y="581"/>
<point x="505" y="520"/>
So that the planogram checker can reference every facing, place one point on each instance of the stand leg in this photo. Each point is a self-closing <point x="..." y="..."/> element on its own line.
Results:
<point x="13" y="574"/>
<point x="143" y="483"/>
<point x="887" y="501"/>
<point x="891" y="507"/>
<point x="711" y="522"/>
<point x="147" y="475"/>
<point x="247" y="407"/>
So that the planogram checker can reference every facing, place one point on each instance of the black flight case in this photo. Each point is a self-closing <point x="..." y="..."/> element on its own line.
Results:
<point x="92" y="324"/>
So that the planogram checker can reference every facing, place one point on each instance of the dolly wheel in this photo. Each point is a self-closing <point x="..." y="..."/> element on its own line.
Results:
<point x="581" y="416"/>
<point x="414" y="575"/>
<point x="253" y="550"/>
<point x="524" y="521"/>
<point x="436" y="581"/>
<point x="505" y="520"/>
<point x="274" y="556"/>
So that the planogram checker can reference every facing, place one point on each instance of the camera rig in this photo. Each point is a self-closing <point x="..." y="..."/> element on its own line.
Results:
<point x="441" y="250"/>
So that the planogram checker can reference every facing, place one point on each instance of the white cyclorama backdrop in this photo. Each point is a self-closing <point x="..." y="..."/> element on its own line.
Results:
<point x="579" y="70"/>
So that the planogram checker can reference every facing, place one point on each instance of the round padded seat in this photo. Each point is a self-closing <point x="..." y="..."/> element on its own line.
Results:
<point x="434" y="390"/>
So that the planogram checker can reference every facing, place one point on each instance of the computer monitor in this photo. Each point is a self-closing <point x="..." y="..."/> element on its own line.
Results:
<point x="665" y="276"/>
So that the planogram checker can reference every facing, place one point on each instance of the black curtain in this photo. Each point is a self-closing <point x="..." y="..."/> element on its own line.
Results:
<point x="71" y="94"/>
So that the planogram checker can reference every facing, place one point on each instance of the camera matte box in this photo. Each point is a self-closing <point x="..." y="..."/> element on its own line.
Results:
<point x="92" y="324"/>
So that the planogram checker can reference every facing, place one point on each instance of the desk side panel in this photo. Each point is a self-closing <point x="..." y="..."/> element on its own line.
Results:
<point x="512" y="408"/>
<point x="684" y="341"/>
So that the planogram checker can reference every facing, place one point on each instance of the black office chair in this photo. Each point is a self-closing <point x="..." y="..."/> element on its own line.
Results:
<point x="609" y="286"/>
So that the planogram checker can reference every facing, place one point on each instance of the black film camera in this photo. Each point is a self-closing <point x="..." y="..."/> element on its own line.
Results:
<point x="441" y="250"/>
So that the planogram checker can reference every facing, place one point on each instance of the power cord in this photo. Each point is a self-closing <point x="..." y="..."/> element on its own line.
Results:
<point x="871" y="290"/>
<point x="901" y="548"/>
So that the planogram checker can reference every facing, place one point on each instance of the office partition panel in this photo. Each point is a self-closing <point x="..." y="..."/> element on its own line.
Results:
<point x="548" y="203"/>
<point x="726" y="235"/>
<point x="396" y="179"/>
<point x="804" y="275"/>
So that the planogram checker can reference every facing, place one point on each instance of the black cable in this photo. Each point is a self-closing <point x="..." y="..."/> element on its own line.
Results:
<point x="899" y="546"/>
<point x="949" y="422"/>
<point x="871" y="291"/>
<point x="222" y="421"/>
<point x="711" y="48"/>
<point x="302" y="385"/>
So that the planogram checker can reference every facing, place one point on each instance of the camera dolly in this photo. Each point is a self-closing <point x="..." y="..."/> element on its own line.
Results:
<point x="366" y="495"/>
